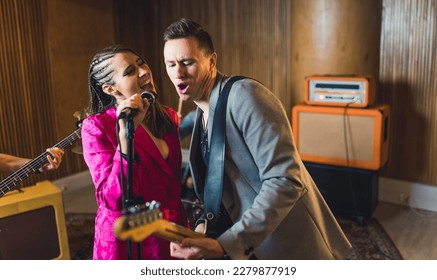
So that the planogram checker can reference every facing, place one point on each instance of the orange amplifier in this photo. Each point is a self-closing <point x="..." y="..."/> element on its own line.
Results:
<point x="351" y="137"/>
<point x="344" y="91"/>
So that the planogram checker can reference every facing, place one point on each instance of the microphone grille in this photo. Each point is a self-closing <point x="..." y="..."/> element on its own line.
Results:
<point x="150" y="96"/>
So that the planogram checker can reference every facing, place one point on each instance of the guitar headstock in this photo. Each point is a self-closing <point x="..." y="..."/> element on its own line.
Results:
<point x="77" y="148"/>
<point x="147" y="219"/>
<point x="80" y="117"/>
<point x="129" y="226"/>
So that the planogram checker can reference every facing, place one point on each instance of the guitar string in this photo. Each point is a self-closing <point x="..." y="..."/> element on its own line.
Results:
<point x="32" y="166"/>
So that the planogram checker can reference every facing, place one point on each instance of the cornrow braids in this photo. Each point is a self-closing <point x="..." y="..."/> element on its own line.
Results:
<point x="99" y="74"/>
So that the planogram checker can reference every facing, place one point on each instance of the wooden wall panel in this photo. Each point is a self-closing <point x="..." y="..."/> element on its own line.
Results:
<point x="45" y="50"/>
<point x="76" y="29"/>
<point x="26" y="119"/>
<point x="336" y="37"/>
<point x="408" y="83"/>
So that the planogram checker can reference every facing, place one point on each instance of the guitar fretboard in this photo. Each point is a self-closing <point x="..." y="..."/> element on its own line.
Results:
<point x="33" y="166"/>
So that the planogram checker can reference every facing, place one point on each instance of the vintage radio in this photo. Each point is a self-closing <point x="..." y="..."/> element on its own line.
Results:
<point x="32" y="224"/>
<point x="344" y="91"/>
<point x="350" y="137"/>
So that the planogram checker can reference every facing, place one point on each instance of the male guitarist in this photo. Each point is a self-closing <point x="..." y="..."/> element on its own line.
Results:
<point x="9" y="163"/>
<point x="259" y="200"/>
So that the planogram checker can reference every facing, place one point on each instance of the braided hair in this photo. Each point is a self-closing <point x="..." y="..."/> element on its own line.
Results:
<point x="101" y="73"/>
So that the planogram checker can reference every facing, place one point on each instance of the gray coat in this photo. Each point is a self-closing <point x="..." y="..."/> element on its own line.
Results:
<point x="277" y="210"/>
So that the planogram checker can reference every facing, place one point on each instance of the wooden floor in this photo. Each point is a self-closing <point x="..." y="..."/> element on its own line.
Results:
<point x="413" y="231"/>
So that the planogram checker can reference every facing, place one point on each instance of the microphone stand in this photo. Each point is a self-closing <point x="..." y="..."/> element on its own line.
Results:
<point x="131" y="203"/>
<point x="130" y="200"/>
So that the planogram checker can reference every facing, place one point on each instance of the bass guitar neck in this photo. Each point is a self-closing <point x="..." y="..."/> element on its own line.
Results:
<point x="32" y="167"/>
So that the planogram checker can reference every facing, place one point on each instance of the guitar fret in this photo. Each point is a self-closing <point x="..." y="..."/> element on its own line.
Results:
<point x="33" y="166"/>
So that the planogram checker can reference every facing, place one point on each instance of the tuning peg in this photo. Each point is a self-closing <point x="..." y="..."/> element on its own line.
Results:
<point x="154" y="204"/>
<point x="77" y="115"/>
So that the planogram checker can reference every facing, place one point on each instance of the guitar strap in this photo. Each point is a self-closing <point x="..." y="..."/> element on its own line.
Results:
<point x="215" y="169"/>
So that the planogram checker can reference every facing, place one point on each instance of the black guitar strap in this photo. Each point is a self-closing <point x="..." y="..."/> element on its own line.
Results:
<point x="215" y="170"/>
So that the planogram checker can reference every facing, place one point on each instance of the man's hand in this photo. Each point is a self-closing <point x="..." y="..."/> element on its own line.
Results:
<point x="197" y="249"/>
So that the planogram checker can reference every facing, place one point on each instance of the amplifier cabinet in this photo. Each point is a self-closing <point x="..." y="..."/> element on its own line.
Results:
<point x="349" y="192"/>
<point x="32" y="224"/>
<point x="350" y="137"/>
<point x="343" y="91"/>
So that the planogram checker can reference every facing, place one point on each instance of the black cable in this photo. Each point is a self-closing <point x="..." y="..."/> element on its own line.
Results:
<point x="349" y="175"/>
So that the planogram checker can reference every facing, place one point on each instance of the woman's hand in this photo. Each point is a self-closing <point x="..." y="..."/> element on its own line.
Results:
<point x="135" y="102"/>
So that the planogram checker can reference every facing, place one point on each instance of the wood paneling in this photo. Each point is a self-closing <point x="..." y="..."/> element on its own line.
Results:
<point x="45" y="49"/>
<point x="408" y="83"/>
<point x="76" y="29"/>
<point x="27" y="121"/>
<point x="336" y="37"/>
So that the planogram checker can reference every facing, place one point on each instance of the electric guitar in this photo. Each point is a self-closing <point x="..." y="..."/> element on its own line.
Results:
<point x="32" y="167"/>
<point x="149" y="221"/>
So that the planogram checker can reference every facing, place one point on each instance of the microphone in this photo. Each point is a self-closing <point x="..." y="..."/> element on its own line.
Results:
<point x="129" y="112"/>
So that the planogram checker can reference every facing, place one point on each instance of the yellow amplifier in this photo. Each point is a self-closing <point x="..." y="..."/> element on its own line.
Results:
<point x="32" y="224"/>
<point x="344" y="91"/>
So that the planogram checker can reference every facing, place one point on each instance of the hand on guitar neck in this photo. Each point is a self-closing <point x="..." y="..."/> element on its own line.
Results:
<point x="23" y="168"/>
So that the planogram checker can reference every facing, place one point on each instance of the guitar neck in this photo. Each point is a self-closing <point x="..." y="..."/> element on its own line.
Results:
<point x="33" y="166"/>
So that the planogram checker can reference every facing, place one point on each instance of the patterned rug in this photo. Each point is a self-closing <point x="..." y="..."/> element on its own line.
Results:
<point x="369" y="241"/>
<point x="80" y="230"/>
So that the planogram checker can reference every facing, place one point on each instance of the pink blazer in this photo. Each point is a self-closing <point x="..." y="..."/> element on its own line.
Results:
<point x="154" y="178"/>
